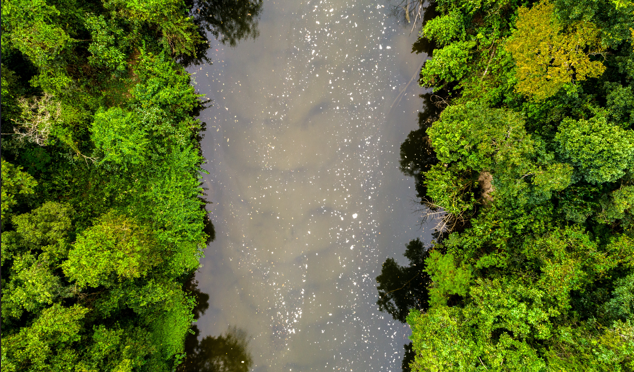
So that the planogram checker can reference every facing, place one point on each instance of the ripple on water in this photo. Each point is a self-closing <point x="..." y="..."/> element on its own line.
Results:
<point x="302" y="144"/>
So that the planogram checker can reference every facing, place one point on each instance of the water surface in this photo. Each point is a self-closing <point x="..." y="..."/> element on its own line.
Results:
<point x="302" y="148"/>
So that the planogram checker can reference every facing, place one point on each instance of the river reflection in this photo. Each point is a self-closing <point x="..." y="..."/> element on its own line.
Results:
<point x="302" y="144"/>
<point x="225" y="353"/>
<point x="228" y="21"/>
<point x="403" y="288"/>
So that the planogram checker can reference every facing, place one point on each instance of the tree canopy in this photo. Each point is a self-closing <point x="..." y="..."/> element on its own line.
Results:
<point x="103" y="220"/>
<point x="530" y="163"/>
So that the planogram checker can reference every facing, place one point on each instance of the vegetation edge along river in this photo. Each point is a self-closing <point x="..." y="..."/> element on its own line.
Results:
<point x="526" y="151"/>
<point x="103" y="221"/>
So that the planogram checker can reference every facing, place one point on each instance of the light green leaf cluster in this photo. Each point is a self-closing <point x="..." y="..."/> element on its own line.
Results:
<point x="104" y="43"/>
<point x="36" y="248"/>
<point x="28" y="26"/>
<point x="618" y="207"/>
<point x="449" y="64"/>
<point x="448" y="279"/>
<point x="472" y="6"/>
<point x="120" y="136"/>
<point x="448" y="190"/>
<point x="47" y="342"/>
<point x="444" y="29"/>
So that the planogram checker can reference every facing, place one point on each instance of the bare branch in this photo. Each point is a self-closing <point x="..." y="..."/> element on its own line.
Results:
<point x="39" y="114"/>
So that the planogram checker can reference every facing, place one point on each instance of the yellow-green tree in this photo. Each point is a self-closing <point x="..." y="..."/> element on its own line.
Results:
<point x="547" y="56"/>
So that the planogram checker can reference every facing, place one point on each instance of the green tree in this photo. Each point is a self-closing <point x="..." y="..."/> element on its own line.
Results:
<point x="620" y="104"/>
<point x="48" y="343"/>
<point x="108" y="43"/>
<point x="447" y="278"/>
<point x="179" y="34"/>
<point x="536" y="275"/>
<point x="116" y="247"/>
<point x="444" y="29"/>
<point x="477" y="137"/>
<point x="449" y="64"/>
<point x="15" y="182"/>
<point x="120" y="136"/>
<point x="101" y="232"/>
<point x="602" y="151"/>
<point x="35" y="249"/>
<point x="29" y="27"/>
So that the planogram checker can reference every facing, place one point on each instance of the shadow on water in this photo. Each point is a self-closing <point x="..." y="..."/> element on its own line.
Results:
<point x="417" y="155"/>
<point x="210" y="230"/>
<point x="403" y="288"/>
<point x="414" y="13"/>
<point x="229" y="21"/>
<point x="225" y="353"/>
<point x="407" y="11"/>
<point x="424" y="45"/>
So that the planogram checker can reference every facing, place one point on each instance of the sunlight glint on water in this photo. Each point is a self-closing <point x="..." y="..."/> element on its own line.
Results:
<point x="302" y="145"/>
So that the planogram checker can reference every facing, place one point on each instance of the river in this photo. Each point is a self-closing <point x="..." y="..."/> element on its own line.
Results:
<point x="302" y="147"/>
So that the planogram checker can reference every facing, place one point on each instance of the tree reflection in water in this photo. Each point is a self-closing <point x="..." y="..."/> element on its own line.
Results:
<point x="224" y="353"/>
<point x="417" y="156"/>
<point x="229" y="21"/>
<point x="402" y="288"/>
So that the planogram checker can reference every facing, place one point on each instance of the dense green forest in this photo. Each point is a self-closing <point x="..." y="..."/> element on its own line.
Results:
<point x="525" y="161"/>
<point x="103" y="222"/>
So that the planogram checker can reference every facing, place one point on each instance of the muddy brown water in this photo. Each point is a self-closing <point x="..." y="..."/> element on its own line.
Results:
<point x="302" y="148"/>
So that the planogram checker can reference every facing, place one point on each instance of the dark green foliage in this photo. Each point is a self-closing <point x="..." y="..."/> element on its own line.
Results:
<point x="15" y="182"/>
<point x="533" y="270"/>
<point x="620" y="104"/>
<point x="602" y="151"/>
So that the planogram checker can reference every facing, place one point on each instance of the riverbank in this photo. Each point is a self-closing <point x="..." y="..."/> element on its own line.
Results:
<point x="534" y="272"/>
<point x="102" y="215"/>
